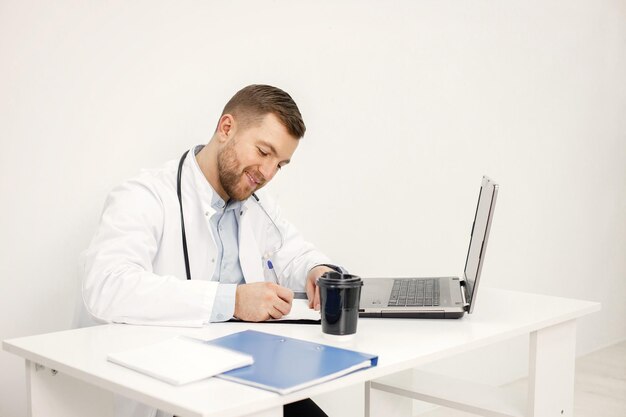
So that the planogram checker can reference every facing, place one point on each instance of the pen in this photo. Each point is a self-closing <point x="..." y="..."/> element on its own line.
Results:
<point x="270" y="266"/>
<point x="296" y="295"/>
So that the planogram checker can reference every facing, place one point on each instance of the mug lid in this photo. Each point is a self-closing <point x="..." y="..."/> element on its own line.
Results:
<point x="340" y="283"/>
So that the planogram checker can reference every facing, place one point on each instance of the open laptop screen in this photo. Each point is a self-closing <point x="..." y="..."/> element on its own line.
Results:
<point x="480" y="233"/>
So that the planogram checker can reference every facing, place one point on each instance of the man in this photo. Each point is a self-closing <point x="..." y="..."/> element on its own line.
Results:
<point x="200" y="218"/>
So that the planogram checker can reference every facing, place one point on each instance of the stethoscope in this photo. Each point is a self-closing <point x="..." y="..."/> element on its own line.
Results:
<point x="266" y="257"/>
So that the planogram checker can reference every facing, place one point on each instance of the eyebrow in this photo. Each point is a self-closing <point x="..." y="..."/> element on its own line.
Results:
<point x="273" y="150"/>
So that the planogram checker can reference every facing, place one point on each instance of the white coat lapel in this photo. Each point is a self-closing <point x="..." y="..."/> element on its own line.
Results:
<point x="249" y="256"/>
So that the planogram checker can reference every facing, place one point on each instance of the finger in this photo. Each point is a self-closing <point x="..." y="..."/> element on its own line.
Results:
<point x="275" y="313"/>
<point x="284" y="293"/>
<point x="282" y="306"/>
<point x="316" y="300"/>
<point x="310" y="293"/>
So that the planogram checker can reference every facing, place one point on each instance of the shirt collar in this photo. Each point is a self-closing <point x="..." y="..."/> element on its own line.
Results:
<point x="220" y="205"/>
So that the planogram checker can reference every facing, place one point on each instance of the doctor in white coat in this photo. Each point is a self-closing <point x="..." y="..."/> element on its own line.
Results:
<point x="244" y="259"/>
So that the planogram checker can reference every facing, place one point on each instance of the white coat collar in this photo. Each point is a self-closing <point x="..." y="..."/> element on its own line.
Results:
<point x="200" y="183"/>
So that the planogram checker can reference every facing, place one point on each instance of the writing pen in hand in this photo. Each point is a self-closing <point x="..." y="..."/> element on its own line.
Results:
<point x="297" y="295"/>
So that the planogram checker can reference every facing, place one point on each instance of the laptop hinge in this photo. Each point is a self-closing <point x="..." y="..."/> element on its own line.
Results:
<point x="463" y="285"/>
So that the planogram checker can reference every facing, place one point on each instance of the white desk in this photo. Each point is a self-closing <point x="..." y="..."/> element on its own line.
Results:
<point x="68" y="374"/>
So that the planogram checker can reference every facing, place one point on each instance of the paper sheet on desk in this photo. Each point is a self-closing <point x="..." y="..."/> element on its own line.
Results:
<point x="300" y="314"/>
<point x="300" y="311"/>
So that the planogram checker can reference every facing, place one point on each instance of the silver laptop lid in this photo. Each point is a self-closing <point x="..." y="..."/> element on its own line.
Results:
<point x="478" y="240"/>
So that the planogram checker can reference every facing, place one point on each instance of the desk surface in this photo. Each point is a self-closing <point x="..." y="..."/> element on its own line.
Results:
<point x="499" y="315"/>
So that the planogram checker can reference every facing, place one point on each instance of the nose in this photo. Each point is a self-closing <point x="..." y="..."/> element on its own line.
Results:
<point x="268" y="169"/>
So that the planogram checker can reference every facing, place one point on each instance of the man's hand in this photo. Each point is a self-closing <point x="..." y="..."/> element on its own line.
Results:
<point x="260" y="301"/>
<point x="312" y="291"/>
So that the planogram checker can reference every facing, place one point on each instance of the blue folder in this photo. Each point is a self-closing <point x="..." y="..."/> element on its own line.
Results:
<point x="283" y="364"/>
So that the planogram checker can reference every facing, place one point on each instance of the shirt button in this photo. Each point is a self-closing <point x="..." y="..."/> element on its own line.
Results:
<point x="206" y="213"/>
<point x="213" y="260"/>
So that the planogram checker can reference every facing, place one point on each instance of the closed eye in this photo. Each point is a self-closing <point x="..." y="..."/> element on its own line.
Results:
<point x="265" y="153"/>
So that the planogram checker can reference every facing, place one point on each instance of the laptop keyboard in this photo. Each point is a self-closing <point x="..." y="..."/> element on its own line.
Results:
<point x="414" y="292"/>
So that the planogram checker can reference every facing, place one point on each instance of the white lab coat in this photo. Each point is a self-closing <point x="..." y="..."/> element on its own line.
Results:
<point x="134" y="270"/>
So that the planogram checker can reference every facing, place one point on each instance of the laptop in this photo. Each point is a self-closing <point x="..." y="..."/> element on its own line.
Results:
<point x="435" y="297"/>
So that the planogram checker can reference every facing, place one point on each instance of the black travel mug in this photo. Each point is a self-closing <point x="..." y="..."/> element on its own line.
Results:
<point x="339" y="302"/>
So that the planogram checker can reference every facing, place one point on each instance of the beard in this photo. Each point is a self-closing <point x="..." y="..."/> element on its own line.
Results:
<point x="230" y="174"/>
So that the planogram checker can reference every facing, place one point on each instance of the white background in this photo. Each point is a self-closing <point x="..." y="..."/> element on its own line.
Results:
<point x="407" y="103"/>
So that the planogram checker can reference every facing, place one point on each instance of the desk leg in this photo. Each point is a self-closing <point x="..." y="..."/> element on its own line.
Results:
<point x="551" y="373"/>
<point x="385" y="404"/>
<point x="53" y="394"/>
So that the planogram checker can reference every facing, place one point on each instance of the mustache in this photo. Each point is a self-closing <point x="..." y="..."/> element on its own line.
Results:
<point x="256" y="176"/>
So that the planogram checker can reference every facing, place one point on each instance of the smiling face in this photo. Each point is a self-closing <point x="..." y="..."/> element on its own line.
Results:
<point x="250" y="156"/>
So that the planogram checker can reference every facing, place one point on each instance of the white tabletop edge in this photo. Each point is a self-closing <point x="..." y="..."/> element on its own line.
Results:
<point x="264" y="399"/>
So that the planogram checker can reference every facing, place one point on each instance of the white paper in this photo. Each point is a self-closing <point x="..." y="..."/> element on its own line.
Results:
<point x="300" y="311"/>
<point x="180" y="360"/>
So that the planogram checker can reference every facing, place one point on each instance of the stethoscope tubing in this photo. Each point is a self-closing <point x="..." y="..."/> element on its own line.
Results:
<point x="267" y="260"/>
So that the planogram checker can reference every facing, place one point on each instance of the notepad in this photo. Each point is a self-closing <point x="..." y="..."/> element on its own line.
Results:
<point x="284" y="364"/>
<point x="300" y="312"/>
<point x="180" y="360"/>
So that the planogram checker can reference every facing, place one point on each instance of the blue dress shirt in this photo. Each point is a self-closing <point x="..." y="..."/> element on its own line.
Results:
<point x="225" y="228"/>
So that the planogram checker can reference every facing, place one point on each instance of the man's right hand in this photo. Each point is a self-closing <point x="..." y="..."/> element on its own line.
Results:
<point x="260" y="301"/>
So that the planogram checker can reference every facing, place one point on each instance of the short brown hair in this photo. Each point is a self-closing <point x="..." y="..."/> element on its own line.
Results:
<point x="252" y="103"/>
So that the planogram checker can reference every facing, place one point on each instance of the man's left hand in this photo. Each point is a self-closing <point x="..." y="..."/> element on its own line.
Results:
<point x="312" y="291"/>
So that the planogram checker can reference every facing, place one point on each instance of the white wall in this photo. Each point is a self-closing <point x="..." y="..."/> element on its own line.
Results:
<point x="407" y="104"/>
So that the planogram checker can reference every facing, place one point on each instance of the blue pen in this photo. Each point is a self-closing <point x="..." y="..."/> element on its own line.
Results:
<point x="270" y="266"/>
<point x="296" y="294"/>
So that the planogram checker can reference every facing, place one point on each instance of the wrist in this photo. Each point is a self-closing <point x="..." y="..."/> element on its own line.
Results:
<point x="337" y="268"/>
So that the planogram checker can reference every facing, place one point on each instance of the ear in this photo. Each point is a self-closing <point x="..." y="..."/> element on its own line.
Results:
<point x="226" y="127"/>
